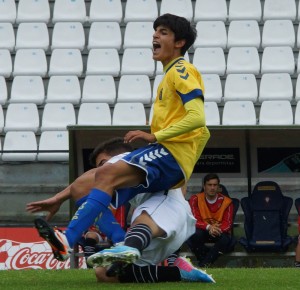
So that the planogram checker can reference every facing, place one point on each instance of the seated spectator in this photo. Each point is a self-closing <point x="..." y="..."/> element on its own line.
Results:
<point x="214" y="214"/>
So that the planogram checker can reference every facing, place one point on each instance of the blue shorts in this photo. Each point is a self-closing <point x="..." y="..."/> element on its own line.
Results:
<point x="162" y="171"/>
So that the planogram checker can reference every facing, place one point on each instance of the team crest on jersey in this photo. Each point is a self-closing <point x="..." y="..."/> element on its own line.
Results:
<point x="160" y="94"/>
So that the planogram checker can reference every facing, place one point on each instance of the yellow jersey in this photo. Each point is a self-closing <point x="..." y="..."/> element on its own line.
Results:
<point x="178" y="120"/>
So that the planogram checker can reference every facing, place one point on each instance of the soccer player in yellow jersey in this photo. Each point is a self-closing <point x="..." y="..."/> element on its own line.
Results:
<point x="178" y="136"/>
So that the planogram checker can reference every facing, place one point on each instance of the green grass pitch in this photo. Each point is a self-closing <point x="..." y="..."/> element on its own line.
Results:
<point x="226" y="278"/>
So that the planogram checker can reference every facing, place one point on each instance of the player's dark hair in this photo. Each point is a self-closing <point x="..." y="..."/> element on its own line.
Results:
<point x="181" y="27"/>
<point x="112" y="147"/>
<point x="209" y="177"/>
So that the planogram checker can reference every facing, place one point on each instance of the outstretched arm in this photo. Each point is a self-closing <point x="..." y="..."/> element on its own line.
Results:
<point x="51" y="205"/>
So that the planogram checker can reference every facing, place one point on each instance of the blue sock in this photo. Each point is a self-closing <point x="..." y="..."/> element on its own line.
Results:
<point x="109" y="226"/>
<point x="96" y="203"/>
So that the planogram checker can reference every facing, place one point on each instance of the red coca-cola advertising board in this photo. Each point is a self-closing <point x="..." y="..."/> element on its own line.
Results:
<point x="23" y="248"/>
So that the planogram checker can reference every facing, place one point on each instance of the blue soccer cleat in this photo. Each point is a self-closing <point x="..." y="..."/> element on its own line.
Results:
<point x="190" y="273"/>
<point x="118" y="254"/>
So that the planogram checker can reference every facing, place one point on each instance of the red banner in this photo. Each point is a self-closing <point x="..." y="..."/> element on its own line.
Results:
<point x="23" y="248"/>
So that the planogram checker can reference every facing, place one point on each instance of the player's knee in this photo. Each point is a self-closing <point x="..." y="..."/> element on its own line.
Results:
<point x="105" y="175"/>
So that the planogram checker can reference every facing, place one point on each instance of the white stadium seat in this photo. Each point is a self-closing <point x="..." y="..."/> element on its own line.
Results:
<point x="138" y="61"/>
<point x="210" y="60"/>
<point x="5" y="63"/>
<point x="134" y="88"/>
<point x="210" y="10"/>
<point x="278" y="33"/>
<point x="96" y="114"/>
<point x="3" y="91"/>
<point x="65" y="61"/>
<point x="64" y="115"/>
<point x="140" y="10"/>
<point x="244" y="9"/>
<point x="182" y="8"/>
<point x="279" y="9"/>
<point x="8" y="11"/>
<point x="27" y="89"/>
<point x="7" y="36"/>
<point x="19" y="141"/>
<point x="138" y="35"/>
<point x="275" y="86"/>
<point x="69" y="10"/>
<point x="22" y="117"/>
<point x="278" y="59"/>
<point x="32" y="35"/>
<point x="1" y="119"/>
<point x="211" y="34"/>
<point x="106" y="10"/>
<point x="243" y="33"/>
<point x="68" y="35"/>
<point x="33" y="11"/>
<point x="53" y="141"/>
<point x="212" y="114"/>
<point x="297" y="89"/>
<point x="30" y="62"/>
<point x="213" y="88"/>
<point x="104" y="61"/>
<point x="129" y="114"/>
<point x="99" y="89"/>
<point x="105" y="35"/>
<point x="239" y="113"/>
<point x="63" y="89"/>
<point x="240" y="87"/>
<point x="243" y="60"/>
<point x="276" y="113"/>
<point x="297" y="114"/>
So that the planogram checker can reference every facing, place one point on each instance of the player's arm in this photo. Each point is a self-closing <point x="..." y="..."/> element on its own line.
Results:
<point x="194" y="118"/>
<point x="51" y="205"/>
<point x="227" y="219"/>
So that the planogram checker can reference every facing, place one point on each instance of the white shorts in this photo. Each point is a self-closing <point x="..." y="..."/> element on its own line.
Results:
<point x="173" y="214"/>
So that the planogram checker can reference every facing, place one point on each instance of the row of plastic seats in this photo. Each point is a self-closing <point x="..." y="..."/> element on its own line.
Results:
<point x="96" y="88"/>
<point x="139" y="61"/>
<point x="246" y="60"/>
<point x="72" y="35"/>
<point x="272" y="86"/>
<point x="139" y="88"/>
<point x="26" y="116"/>
<point x="139" y="35"/>
<point x="25" y="146"/>
<point x="57" y="116"/>
<point x="70" y="62"/>
<point x="136" y="10"/>
<point x="243" y="113"/>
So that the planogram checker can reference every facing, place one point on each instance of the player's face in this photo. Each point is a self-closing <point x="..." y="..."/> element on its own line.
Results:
<point x="165" y="48"/>
<point x="211" y="188"/>
<point x="102" y="158"/>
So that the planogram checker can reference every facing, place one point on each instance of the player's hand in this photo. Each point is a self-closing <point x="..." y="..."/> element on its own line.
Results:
<point x="214" y="231"/>
<point x="51" y="205"/>
<point x="139" y="135"/>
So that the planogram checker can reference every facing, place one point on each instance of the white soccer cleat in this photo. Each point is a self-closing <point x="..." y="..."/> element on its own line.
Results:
<point x="119" y="254"/>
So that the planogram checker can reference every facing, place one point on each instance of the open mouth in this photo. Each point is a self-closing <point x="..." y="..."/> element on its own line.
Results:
<point x="156" y="46"/>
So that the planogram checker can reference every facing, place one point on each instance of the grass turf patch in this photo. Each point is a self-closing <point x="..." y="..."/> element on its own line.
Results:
<point x="226" y="278"/>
